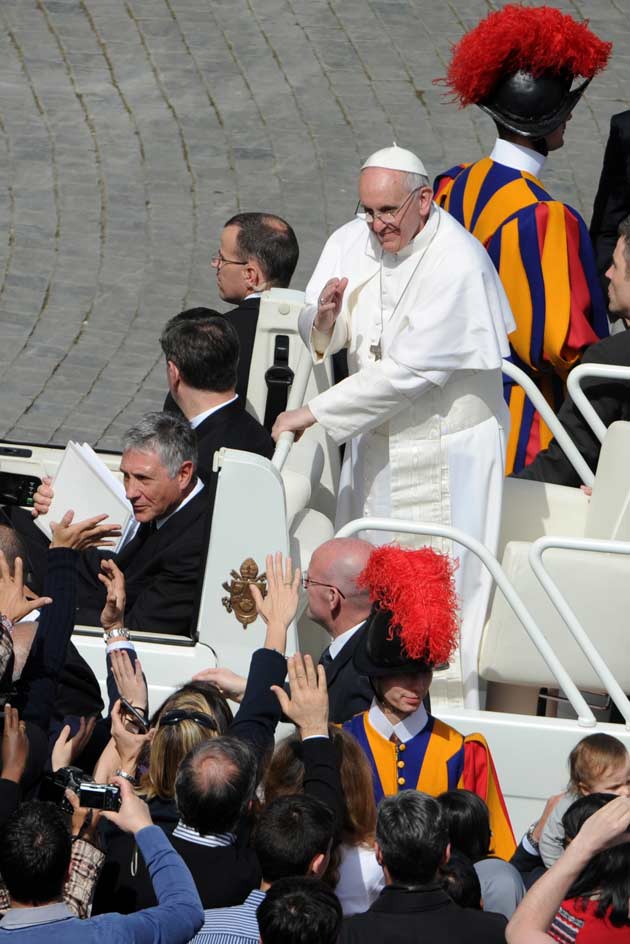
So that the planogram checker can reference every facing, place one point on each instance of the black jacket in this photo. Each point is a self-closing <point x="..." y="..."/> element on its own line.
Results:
<point x="612" y="202"/>
<point x="611" y="400"/>
<point x="245" y="319"/>
<point x="348" y="692"/>
<point x="231" y="427"/>
<point x="162" y="570"/>
<point x="403" y="916"/>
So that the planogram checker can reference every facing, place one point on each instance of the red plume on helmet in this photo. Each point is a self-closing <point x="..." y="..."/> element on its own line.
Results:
<point x="418" y="589"/>
<point x="538" y="40"/>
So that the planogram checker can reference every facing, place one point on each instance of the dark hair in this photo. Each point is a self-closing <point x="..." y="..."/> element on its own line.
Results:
<point x="412" y="834"/>
<point x="204" y="348"/>
<point x="35" y="849"/>
<point x="299" y="911"/>
<point x="13" y="546"/>
<point x="271" y="242"/>
<point x="215" y="785"/>
<point x="624" y="230"/>
<point x="468" y="823"/>
<point x="289" y="833"/>
<point x="460" y="881"/>
<point x="607" y="875"/>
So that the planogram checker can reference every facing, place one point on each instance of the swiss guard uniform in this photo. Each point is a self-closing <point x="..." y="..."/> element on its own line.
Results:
<point x="518" y="65"/>
<point x="412" y="627"/>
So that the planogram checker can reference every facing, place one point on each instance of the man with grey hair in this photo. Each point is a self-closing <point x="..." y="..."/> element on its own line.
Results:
<point x="411" y="844"/>
<point x="162" y="553"/>
<point x="422" y="312"/>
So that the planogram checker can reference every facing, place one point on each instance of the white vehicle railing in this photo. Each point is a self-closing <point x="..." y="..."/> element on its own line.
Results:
<point x="585" y="716"/>
<point x="560" y="434"/>
<point x="294" y="401"/>
<point x="583" y="640"/>
<point x="574" y="386"/>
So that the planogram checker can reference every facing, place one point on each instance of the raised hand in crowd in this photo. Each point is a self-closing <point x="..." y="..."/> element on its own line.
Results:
<point x="134" y="813"/>
<point x="228" y="682"/>
<point x="84" y="819"/>
<point x="42" y="499"/>
<point x="91" y="532"/>
<point x="15" y="745"/>
<point x="68" y="747"/>
<point x="279" y="606"/>
<point x="307" y="706"/>
<point x="129" y="680"/>
<point x="129" y="742"/>
<point x="113" y="579"/>
<point x="329" y="305"/>
<point x="13" y="602"/>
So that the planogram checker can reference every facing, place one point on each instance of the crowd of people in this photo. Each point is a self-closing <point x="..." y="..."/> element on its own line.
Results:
<point x="374" y="819"/>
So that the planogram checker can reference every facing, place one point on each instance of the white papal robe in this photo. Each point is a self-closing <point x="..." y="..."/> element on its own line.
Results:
<point x="426" y="424"/>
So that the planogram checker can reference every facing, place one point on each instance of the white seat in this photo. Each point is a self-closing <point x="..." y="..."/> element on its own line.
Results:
<point x="596" y="585"/>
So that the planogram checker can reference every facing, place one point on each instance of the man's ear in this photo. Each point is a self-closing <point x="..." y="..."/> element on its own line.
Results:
<point x="185" y="473"/>
<point x="173" y="375"/>
<point x="254" y="276"/>
<point x="319" y="864"/>
<point x="378" y="853"/>
<point x="447" y="854"/>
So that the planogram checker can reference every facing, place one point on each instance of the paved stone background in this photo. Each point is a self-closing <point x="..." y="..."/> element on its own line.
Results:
<point x="131" y="129"/>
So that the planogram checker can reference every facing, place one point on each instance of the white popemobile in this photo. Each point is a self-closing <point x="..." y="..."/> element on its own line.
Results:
<point x="556" y="622"/>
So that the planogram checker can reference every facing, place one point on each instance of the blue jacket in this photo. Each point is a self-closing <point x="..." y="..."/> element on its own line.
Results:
<point x="176" y="918"/>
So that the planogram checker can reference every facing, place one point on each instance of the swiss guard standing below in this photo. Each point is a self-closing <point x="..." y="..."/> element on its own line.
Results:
<point x="518" y="65"/>
<point x="412" y="628"/>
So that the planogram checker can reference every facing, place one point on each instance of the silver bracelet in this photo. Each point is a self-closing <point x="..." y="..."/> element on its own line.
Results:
<point x="126" y="776"/>
<point x="118" y="634"/>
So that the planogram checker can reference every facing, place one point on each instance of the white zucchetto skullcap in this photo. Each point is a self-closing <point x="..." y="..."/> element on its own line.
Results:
<point x="396" y="158"/>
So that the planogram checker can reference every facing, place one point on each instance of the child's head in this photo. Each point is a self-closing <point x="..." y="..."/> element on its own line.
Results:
<point x="599" y="763"/>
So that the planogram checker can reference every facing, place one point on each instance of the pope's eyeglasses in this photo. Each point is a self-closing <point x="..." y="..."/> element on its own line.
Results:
<point x="385" y="216"/>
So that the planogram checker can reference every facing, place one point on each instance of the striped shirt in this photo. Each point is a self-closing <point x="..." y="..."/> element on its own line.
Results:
<point x="212" y="839"/>
<point x="236" y="925"/>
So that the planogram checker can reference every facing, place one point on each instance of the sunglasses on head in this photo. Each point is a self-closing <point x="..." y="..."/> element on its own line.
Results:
<point x="170" y="718"/>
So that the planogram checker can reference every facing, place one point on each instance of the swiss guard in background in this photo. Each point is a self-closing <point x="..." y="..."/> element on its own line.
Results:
<point x="518" y="65"/>
<point x="413" y="628"/>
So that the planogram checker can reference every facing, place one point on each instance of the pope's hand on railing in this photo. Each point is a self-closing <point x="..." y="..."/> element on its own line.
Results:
<point x="293" y="421"/>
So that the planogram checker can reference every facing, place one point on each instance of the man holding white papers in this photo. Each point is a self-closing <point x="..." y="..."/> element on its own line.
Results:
<point x="163" y="552"/>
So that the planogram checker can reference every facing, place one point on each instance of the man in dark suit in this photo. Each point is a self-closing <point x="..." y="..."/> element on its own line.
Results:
<point x="164" y="549"/>
<point x="202" y="354"/>
<point x="610" y="398"/>
<point x="612" y="202"/>
<point x="411" y="844"/>
<point x="338" y="605"/>
<point x="258" y="251"/>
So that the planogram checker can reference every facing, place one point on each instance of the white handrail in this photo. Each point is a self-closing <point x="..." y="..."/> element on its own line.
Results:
<point x="574" y="386"/>
<point x="565" y="442"/>
<point x="294" y="401"/>
<point x="585" y="716"/>
<point x="585" y="643"/>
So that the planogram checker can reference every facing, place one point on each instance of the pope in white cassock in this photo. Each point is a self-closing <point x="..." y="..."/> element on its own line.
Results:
<point x="418" y="304"/>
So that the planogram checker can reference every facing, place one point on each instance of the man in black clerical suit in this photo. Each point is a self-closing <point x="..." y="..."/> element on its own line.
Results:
<point x="258" y="251"/>
<point x="202" y="354"/>
<point x="610" y="398"/>
<point x="163" y="553"/>
<point x="612" y="202"/>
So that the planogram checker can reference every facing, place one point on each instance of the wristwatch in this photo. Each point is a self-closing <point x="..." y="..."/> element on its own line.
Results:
<point x="530" y="836"/>
<point x="117" y="634"/>
<point x="6" y="623"/>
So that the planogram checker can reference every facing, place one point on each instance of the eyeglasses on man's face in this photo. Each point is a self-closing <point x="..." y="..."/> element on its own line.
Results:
<point x="308" y="582"/>
<point x="219" y="260"/>
<point x="385" y="216"/>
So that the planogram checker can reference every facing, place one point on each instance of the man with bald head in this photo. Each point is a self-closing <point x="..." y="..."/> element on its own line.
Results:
<point x="421" y="310"/>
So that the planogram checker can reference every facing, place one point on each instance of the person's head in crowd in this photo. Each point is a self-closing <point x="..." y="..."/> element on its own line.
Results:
<point x="201" y="348"/>
<point x="606" y="878"/>
<point x="468" y="822"/>
<point x="35" y="850"/>
<point x="299" y="911"/>
<point x="395" y="196"/>
<point x="412" y="626"/>
<point x="599" y="763"/>
<point x="285" y="777"/>
<point x="293" y="835"/>
<point x="257" y="251"/>
<point x="411" y="838"/>
<point x="159" y="461"/>
<point x="619" y="275"/>
<point x="12" y="546"/>
<point x="335" y="601"/>
<point x="193" y="714"/>
<point x="215" y="785"/>
<point x="460" y="881"/>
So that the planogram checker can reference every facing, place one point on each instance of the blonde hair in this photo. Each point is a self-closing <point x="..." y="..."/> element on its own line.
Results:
<point x="171" y="743"/>
<point x="591" y="757"/>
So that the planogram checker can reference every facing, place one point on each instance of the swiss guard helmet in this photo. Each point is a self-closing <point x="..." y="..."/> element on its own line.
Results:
<point x="518" y="65"/>
<point x="413" y="624"/>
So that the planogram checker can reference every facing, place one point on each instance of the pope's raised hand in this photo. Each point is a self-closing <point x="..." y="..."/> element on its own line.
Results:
<point x="329" y="305"/>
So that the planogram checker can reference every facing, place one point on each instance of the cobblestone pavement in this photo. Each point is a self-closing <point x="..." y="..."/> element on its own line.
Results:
<point x="131" y="129"/>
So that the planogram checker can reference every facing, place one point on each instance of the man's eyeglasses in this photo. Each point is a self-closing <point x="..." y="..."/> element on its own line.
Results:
<point x="219" y="260"/>
<point x="385" y="216"/>
<point x="308" y="582"/>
